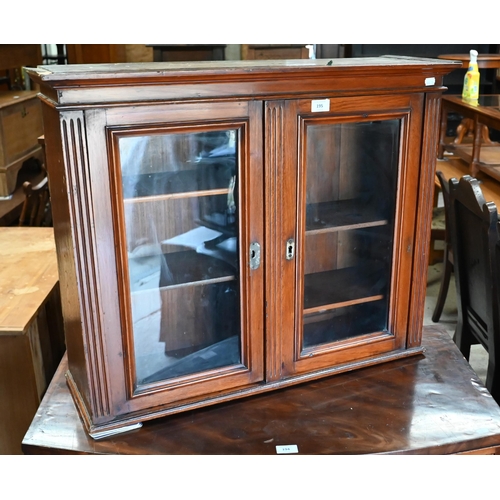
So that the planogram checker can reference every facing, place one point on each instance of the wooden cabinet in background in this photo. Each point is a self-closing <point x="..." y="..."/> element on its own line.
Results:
<point x="175" y="53"/>
<point x="231" y="228"/>
<point x="274" y="51"/>
<point x="20" y="127"/>
<point x="92" y="53"/>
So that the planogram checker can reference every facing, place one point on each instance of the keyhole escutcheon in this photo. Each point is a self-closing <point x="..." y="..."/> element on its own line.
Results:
<point x="290" y="249"/>
<point x="254" y="256"/>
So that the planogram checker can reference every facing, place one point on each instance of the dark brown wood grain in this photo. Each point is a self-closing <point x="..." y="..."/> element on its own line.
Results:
<point x="430" y="404"/>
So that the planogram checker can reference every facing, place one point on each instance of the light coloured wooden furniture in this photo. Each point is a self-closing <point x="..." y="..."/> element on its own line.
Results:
<point x="20" y="127"/>
<point x="268" y="51"/>
<point x="31" y="332"/>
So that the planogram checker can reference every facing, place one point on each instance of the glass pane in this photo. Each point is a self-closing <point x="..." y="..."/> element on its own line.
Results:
<point x="351" y="177"/>
<point x="181" y="222"/>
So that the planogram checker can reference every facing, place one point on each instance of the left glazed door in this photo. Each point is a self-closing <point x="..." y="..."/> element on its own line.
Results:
<point x="186" y="196"/>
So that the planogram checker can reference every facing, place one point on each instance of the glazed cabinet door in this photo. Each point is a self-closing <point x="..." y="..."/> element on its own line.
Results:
<point x="345" y="248"/>
<point x="185" y="183"/>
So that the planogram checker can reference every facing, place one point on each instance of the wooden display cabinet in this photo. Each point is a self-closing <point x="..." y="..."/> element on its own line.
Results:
<point x="225" y="229"/>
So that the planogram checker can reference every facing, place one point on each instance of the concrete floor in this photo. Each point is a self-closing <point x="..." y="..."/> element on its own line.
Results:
<point x="479" y="357"/>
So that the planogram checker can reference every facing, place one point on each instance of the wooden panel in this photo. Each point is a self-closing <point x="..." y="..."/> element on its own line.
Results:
<point x="20" y="124"/>
<point x="95" y="53"/>
<point x="16" y="56"/>
<point x="19" y="394"/>
<point x="281" y="209"/>
<point x="20" y="127"/>
<point x="274" y="51"/>
<point x="170" y="53"/>
<point x="138" y="53"/>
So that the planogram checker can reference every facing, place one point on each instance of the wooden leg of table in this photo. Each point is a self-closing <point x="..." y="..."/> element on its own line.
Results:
<point x="442" y="133"/>
<point x="485" y="134"/>
<point x="466" y="125"/>
<point x="476" y="148"/>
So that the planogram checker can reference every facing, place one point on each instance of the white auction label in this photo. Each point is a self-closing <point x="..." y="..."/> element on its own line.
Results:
<point x="289" y="448"/>
<point x="430" y="81"/>
<point x="320" y="105"/>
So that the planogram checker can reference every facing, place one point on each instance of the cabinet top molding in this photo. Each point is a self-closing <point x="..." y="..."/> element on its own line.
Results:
<point x="70" y="84"/>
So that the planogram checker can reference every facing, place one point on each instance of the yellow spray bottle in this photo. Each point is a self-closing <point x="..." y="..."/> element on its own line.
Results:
<point x="470" y="91"/>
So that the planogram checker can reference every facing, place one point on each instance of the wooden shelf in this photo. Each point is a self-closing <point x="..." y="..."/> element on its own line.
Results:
<point x="341" y="215"/>
<point x="189" y="268"/>
<point x="360" y="284"/>
<point x="173" y="196"/>
<point x="210" y="178"/>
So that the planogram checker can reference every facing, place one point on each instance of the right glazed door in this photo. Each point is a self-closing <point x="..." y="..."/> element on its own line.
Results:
<point x="356" y="172"/>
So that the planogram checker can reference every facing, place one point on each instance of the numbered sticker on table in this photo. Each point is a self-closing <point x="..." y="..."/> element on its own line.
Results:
<point x="318" y="105"/>
<point x="288" y="448"/>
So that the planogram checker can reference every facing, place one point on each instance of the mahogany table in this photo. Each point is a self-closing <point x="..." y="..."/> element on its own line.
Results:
<point x="432" y="403"/>
<point x="481" y="157"/>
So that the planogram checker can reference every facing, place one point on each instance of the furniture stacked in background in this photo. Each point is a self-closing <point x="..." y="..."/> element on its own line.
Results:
<point x="21" y="155"/>
<point x="480" y="152"/>
<point x="274" y="51"/>
<point x="193" y="52"/>
<point x="13" y="57"/>
<point x="92" y="53"/>
<point x="20" y="126"/>
<point x="31" y="331"/>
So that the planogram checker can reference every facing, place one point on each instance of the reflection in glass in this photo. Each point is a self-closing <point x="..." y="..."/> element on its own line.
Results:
<point x="350" y="204"/>
<point x="180" y="201"/>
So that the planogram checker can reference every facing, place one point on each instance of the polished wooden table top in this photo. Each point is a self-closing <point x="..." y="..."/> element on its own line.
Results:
<point x="28" y="273"/>
<point x="427" y="404"/>
<point x="487" y="108"/>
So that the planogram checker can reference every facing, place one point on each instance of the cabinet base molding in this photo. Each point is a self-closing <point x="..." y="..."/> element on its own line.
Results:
<point x="135" y="421"/>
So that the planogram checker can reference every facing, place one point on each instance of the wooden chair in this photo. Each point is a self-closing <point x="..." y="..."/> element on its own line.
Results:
<point x="474" y="236"/>
<point x="36" y="208"/>
<point x="447" y="253"/>
<point x="438" y="230"/>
